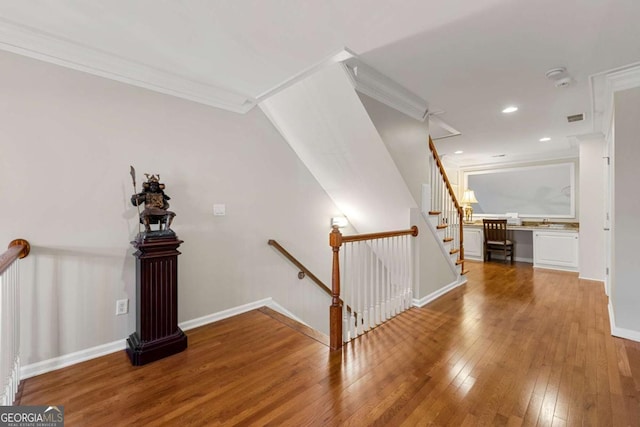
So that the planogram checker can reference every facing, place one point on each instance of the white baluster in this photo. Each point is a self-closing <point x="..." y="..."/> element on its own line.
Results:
<point x="344" y="281"/>
<point x="377" y="282"/>
<point x="9" y="337"/>
<point x="394" y="278"/>
<point x="4" y="375"/>
<point x="383" y="303"/>
<point x="357" y="279"/>
<point x="399" y="284"/>
<point x="407" y="272"/>
<point x="361" y="288"/>
<point x="387" y="282"/>
<point x="372" y="284"/>
<point x="411" y="271"/>
<point x="365" y="287"/>
<point x="401" y="276"/>
<point x="395" y="265"/>
<point x="352" y="287"/>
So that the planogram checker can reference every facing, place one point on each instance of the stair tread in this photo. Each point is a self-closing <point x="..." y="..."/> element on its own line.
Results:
<point x="434" y="212"/>
<point x="459" y="261"/>
<point x="441" y="226"/>
<point x="454" y="251"/>
<point x="447" y="239"/>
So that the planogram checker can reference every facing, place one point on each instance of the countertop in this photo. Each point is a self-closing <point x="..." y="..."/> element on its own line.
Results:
<point x="535" y="226"/>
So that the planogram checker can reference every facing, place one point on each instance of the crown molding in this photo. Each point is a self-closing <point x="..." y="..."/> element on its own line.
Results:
<point x="339" y="56"/>
<point x="46" y="47"/>
<point x="439" y="123"/>
<point x="517" y="159"/>
<point x="369" y="81"/>
<point x="603" y="86"/>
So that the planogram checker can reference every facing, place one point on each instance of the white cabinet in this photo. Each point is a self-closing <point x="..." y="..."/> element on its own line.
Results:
<point x="555" y="249"/>
<point x="473" y="245"/>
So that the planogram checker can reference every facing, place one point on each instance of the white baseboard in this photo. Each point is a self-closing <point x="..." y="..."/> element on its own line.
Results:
<point x="499" y="257"/>
<point x="628" y="334"/>
<point x="277" y="307"/>
<point x="119" y="345"/>
<point x="210" y="318"/>
<point x="591" y="280"/>
<point x="437" y="294"/>
<point x="60" y="362"/>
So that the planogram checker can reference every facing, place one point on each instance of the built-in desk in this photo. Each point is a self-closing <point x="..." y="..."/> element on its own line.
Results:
<point x="552" y="246"/>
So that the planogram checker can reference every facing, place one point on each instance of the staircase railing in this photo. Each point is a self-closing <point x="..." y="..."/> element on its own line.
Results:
<point x="376" y="280"/>
<point x="10" y="320"/>
<point x="445" y="203"/>
<point x="304" y="271"/>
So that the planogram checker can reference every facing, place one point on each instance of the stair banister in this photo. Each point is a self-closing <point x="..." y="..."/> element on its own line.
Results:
<point x="452" y="197"/>
<point x="397" y="286"/>
<point x="10" y="320"/>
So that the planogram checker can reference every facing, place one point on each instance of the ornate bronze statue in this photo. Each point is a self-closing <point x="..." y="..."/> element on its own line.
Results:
<point x="155" y="205"/>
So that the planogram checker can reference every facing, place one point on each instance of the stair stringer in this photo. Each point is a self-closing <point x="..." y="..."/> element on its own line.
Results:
<point x="450" y="278"/>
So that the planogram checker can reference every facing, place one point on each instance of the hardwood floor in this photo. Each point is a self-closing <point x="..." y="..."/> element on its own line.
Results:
<point x="514" y="346"/>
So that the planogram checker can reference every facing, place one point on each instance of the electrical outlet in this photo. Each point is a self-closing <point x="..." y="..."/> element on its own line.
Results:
<point x="122" y="306"/>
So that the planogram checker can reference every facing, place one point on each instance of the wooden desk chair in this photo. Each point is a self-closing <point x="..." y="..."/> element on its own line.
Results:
<point x="495" y="239"/>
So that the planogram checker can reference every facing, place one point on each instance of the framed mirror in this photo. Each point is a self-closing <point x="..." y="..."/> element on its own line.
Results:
<point x="541" y="191"/>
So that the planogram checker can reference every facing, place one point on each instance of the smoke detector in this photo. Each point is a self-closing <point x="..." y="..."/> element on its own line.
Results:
<point x="555" y="73"/>
<point x="559" y="77"/>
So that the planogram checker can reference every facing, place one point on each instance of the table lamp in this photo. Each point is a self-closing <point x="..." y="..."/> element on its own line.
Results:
<point x="467" y="198"/>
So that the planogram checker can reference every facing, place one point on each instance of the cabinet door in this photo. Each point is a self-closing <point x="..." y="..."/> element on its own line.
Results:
<point x="472" y="243"/>
<point x="555" y="250"/>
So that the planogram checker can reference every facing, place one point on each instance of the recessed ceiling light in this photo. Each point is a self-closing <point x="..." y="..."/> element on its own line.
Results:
<point x="510" y="109"/>
<point x="458" y="152"/>
<point x="545" y="139"/>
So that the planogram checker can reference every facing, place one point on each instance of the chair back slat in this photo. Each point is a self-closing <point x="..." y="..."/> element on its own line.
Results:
<point x="495" y="230"/>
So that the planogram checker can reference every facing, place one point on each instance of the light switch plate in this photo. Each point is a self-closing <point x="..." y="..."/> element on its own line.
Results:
<point x="219" y="209"/>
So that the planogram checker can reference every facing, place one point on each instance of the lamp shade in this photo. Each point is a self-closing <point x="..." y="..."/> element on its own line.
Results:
<point x="468" y="197"/>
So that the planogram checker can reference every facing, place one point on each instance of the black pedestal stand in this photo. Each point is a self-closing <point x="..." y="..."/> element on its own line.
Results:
<point x="157" y="333"/>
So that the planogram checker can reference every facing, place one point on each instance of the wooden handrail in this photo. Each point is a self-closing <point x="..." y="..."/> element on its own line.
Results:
<point x="18" y="249"/>
<point x="435" y="155"/>
<point x="298" y="264"/>
<point x="304" y="271"/>
<point x="372" y="236"/>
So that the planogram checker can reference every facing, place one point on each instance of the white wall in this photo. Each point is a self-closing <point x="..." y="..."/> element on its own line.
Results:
<point x="433" y="273"/>
<point x="625" y="293"/>
<point x="406" y="139"/>
<point x="591" y="198"/>
<point x="324" y="121"/>
<point x="66" y="142"/>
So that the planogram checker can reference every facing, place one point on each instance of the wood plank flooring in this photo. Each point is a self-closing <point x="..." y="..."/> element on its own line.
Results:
<point x="514" y="346"/>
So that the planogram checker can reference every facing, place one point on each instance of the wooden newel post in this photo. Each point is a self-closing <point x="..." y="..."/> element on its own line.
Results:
<point x="335" y="311"/>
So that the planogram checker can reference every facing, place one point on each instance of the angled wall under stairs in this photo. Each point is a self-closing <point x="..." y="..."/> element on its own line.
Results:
<point x="325" y="122"/>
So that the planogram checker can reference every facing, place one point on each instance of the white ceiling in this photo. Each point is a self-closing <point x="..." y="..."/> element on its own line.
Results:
<point x="466" y="58"/>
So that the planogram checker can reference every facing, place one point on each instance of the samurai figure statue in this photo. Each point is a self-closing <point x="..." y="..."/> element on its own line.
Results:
<point x="156" y="206"/>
